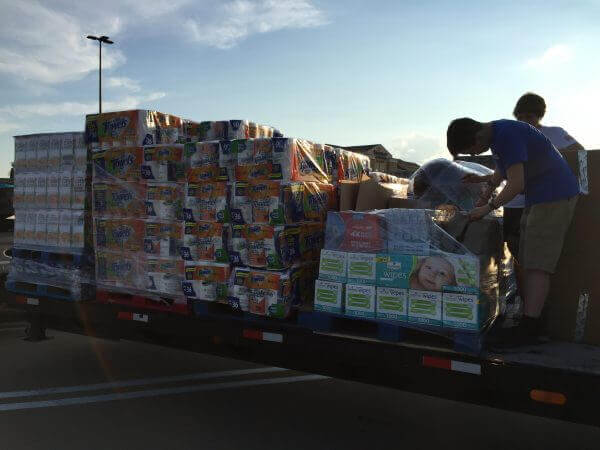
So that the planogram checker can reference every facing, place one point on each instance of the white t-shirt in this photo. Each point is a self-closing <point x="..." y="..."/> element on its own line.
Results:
<point x="560" y="139"/>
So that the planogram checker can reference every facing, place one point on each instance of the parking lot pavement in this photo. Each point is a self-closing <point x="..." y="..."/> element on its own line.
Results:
<point x="73" y="392"/>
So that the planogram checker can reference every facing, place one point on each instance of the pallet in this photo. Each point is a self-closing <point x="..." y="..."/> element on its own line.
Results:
<point x="152" y="303"/>
<point x="391" y="331"/>
<point x="204" y="308"/>
<point x="29" y="289"/>
<point x="67" y="261"/>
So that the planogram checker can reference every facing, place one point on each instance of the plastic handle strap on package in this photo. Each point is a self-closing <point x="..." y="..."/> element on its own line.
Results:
<point x="406" y="266"/>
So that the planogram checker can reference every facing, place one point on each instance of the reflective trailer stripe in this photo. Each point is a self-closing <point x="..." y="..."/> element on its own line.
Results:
<point x="259" y="335"/>
<point x="273" y="337"/>
<point x="33" y="301"/>
<point x="461" y="366"/>
<point x="448" y="364"/>
<point x="124" y="315"/>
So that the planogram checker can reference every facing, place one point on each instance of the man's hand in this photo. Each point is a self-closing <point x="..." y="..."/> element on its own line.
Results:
<point x="484" y="197"/>
<point x="479" y="213"/>
<point x="474" y="178"/>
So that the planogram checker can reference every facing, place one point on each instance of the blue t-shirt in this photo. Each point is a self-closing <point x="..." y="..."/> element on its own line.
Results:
<point x="548" y="178"/>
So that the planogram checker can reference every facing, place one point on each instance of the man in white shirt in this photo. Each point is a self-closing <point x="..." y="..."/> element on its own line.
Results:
<point x="531" y="108"/>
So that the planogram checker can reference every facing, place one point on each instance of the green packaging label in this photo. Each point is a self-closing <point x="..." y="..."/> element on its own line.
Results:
<point x="328" y="296"/>
<point x="333" y="265"/>
<point x="360" y="300"/>
<point x="362" y="268"/>
<point x="392" y="303"/>
<point x="425" y="307"/>
<point x="461" y="308"/>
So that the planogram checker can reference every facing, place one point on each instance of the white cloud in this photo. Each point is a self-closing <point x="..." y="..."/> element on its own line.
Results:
<point x="417" y="147"/>
<point x="45" y="42"/>
<point x="555" y="55"/>
<point x="125" y="83"/>
<point x="236" y="20"/>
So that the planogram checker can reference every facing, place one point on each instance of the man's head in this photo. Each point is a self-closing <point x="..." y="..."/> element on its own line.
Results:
<point x="465" y="136"/>
<point x="530" y="108"/>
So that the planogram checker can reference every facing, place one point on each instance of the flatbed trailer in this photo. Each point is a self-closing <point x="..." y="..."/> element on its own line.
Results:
<point x="557" y="380"/>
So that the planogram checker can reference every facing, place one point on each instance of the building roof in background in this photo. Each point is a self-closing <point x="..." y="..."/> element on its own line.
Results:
<point x="379" y="151"/>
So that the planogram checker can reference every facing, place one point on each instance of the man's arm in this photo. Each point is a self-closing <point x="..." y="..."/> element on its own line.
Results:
<point x="515" y="184"/>
<point x="572" y="148"/>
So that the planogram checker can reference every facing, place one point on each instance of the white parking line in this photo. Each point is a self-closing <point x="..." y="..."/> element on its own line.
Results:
<point x="155" y="392"/>
<point x="138" y="382"/>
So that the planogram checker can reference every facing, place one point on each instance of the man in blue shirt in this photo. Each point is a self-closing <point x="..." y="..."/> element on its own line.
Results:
<point x="530" y="164"/>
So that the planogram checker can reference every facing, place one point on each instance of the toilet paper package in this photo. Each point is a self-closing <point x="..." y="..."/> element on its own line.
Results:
<point x="311" y="235"/>
<point x="55" y="150"/>
<point x="80" y="188"/>
<point x="122" y="163"/>
<point x="119" y="269"/>
<point x="207" y="202"/>
<point x="163" y="276"/>
<point x="239" y="290"/>
<point x="40" y="227"/>
<point x="20" y="181"/>
<point x="52" y="189"/>
<point x="65" y="189"/>
<point x="31" y="182"/>
<point x="206" y="281"/>
<point x="65" y="222"/>
<point x="318" y="199"/>
<point x="209" y="161"/>
<point x="267" y="202"/>
<point x="225" y="129"/>
<point x="80" y="151"/>
<point x="131" y="128"/>
<point x="41" y="154"/>
<point x="123" y="199"/>
<point x="163" y="238"/>
<point x="269" y="247"/>
<point x="65" y="156"/>
<point x="238" y="246"/>
<point x="81" y="229"/>
<point x="19" y="233"/>
<point x="270" y="293"/>
<point x="240" y="203"/>
<point x="206" y="241"/>
<point x="125" y="235"/>
<point x="52" y="224"/>
<point x="40" y="190"/>
<point x="163" y="163"/>
<point x="30" y="227"/>
<point x="165" y="201"/>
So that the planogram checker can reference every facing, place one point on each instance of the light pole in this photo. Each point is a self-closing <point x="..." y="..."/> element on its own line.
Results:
<point x="106" y="40"/>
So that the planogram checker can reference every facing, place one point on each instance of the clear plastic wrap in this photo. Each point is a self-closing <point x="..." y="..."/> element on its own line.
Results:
<point x="439" y="182"/>
<point x="409" y="267"/>
<point x="226" y="129"/>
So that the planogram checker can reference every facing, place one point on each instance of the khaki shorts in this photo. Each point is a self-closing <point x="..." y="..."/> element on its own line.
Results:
<point x="543" y="230"/>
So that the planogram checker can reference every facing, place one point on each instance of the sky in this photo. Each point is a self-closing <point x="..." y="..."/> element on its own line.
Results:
<point x="345" y="72"/>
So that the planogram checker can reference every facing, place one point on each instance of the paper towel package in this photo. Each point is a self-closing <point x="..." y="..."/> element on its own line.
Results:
<point x="163" y="238"/>
<point x="311" y="238"/>
<point x="65" y="189"/>
<point x="269" y="247"/>
<point x="270" y="293"/>
<point x="425" y="307"/>
<point x="31" y="182"/>
<point x="163" y="163"/>
<point x="267" y="206"/>
<point x="239" y="291"/>
<point x="124" y="199"/>
<point x="63" y="155"/>
<point x="206" y="281"/>
<point x="206" y="241"/>
<point x="52" y="189"/>
<point x="40" y="190"/>
<point x="360" y="300"/>
<point x="65" y="222"/>
<point x="41" y="155"/>
<point x="207" y="202"/>
<point x="30" y="227"/>
<point x="40" y="227"/>
<point x="225" y="129"/>
<point x="318" y="199"/>
<point x="122" y="163"/>
<point x="333" y="266"/>
<point x="163" y="276"/>
<point x="119" y="234"/>
<point x="52" y="222"/>
<point x="392" y="304"/>
<point x="362" y="268"/>
<point x="131" y="128"/>
<point x="80" y="189"/>
<point x="165" y="201"/>
<point x="329" y="296"/>
<point x="80" y="229"/>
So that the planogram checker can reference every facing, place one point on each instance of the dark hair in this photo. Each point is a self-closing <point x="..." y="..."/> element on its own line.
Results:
<point x="530" y="103"/>
<point x="461" y="134"/>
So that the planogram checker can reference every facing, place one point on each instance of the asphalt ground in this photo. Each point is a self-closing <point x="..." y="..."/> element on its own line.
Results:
<point x="73" y="392"/>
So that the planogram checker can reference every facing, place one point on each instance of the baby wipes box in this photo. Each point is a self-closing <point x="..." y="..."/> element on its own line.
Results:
<point x="329" y="296"/>
<point x="394" y="270"/>
<point x="360" y="300"/>
<point x="362" y="268"/>
<point x="462" y="308"/>
<point x="355" y="232"/>
<point x="392" y="303"/>
<point x="333" y="265"/>
<point x="425" y="307"/>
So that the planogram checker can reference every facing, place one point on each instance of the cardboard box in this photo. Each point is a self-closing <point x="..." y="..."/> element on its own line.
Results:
<point x="394" y="270"/>
<point x="461" y="308"/>
<point x="392" y="304"/>
<point x="362" y="268"/>
<point x="425" y="307"/>
<point x="328" y="296"/>
<point x="573" y="305"/>
<point x="375" y="195"/>
<point x="333" y="266"/>
<point x="348" y="195"/>
<point x="360" y="300"/>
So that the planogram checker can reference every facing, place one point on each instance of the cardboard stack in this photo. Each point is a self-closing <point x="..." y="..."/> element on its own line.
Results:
<point x="51" y="200"/>
<point x="389" y="265"/>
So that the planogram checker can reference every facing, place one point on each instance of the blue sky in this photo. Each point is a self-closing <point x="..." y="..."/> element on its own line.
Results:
<point x="347" y="72"/>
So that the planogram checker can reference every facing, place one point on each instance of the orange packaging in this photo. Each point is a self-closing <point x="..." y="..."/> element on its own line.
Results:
<point x="123" y="163"/>
<point x="207" y="281"/>
<point x="119" y="234"/>
<point x="266" y="204"/>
